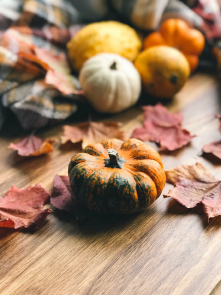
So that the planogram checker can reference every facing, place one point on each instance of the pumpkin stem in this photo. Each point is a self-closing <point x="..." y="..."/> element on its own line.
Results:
<point x="113" y="66"/>
<point x="114" y="160"/>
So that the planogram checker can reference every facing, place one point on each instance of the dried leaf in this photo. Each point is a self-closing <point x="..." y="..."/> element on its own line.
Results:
<point x="92" y="132"/>
<point x="32" y="146"/>
<point x="63" y="198"/>
<point x="24" y="207"/>
<point x="213" y="148"/>
<point x="195" y="184"/>
<point x="162" y="127"/>
<point x="59" y="73"/>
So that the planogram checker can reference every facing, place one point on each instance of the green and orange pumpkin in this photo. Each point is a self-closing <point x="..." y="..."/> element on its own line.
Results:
<point x="117" y="177"/>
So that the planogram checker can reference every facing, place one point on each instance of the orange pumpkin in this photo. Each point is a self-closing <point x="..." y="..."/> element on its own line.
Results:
<point x="163" y="70"/>
<point x="117" y="177"/>
<point x="176" y="33"/>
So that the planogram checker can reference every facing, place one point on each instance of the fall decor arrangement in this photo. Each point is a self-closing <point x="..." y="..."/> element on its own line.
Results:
<point x="163" y="69"/>
<point x="110" y="82"/>
<point x="177" y="33"/>
<point x="117" y="177"/>
<point x="108" y="36"/>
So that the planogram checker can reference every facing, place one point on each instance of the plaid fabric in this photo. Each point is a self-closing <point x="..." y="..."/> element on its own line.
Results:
<point x="26" y="25"/>
<point x="22" y="86"/>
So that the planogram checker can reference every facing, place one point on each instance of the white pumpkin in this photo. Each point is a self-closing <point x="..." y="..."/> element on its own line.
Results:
<point x="110" y="82"/>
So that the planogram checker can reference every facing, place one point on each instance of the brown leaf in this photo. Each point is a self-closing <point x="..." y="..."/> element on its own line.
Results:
<point x="92" y="132"/>
<point x="63" y="198"/>
<point x="162" y="127"/>
<point x="195" y="184"/>
<point x="32" y="146"/>
<point x="59" y="72"/>
<point x="213" y="148"/>
<point x="24" y="207"/>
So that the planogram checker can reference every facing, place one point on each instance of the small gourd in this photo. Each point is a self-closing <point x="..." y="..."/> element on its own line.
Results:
<point x="177" y="33"/>
<point x="110" y="82"/>
<point x="164" y="71"/>
<point x="117" y="177"/>
<point x="105" y="36"/>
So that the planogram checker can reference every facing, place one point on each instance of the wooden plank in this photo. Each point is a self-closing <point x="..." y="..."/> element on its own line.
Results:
<point x="165" y="250"/>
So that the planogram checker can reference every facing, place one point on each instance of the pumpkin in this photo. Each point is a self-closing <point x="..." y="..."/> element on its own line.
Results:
<point x="117" y="177"/>
<point x="110" y="82"/>
<point x="177" y="33"/>
<point x="107" y="36"/>
<point x="163" y="69"/>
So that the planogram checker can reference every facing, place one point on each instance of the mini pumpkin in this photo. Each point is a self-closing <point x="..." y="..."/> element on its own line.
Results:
<point x="176" y="33"/>
<point x="117" y="177"/>
<point x="106" y="36"/>
<point x="110" y="82"/>
<point x="163" y="70"/>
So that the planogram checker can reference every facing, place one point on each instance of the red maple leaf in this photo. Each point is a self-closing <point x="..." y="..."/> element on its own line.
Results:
<point x="63" y="198"/>
<point x="162" y="127"/>
<point x="213" y="148"/>
<point x="194" y="184"/>
<point x="92" y="132"/>
<point x="32" y="146"/>
<point x="24" y="207"/>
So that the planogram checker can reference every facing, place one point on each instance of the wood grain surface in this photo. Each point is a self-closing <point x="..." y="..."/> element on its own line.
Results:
<point x="165" y="250"/>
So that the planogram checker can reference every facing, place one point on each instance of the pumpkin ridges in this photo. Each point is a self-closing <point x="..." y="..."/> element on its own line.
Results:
<point x="131" y="143"/>
<point x="123" y="190"/>
<point x="125" y="185"/>
<point x="94" y="150"/>
<point x="94" y="191"/>
<point x="168" y="32"/>
<point x="151" y="168"/>
<point x="79" y="174"/>
<point x="146" y="189"/>
<point x="112" y="143"/>
<point x="176" y="33"/>
<point x="138" y="150"/>
<point x="141" y="151"/>
<point x="82" y="157"/>
<point x="110" y="89"/>
<point x="154" y="39"/>
<point x="100" y="149"/>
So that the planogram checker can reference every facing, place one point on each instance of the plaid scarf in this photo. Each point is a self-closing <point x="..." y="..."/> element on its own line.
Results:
<point x="29" y="28"/>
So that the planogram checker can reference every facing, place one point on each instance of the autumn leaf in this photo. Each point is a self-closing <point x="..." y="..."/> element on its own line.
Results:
<point x="162" y="127"/>
<point x="59" y="73"/>
<point x="213" y="148"/>
<point x="63" y="198"/>
<point x="92" y="132"/>
<point x="24" y="207"/>
<point x="194" y="184"/>
<point x="32" y="146"/>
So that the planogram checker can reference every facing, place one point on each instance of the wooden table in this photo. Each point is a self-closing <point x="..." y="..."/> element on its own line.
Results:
<point x="165" y="250"/>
